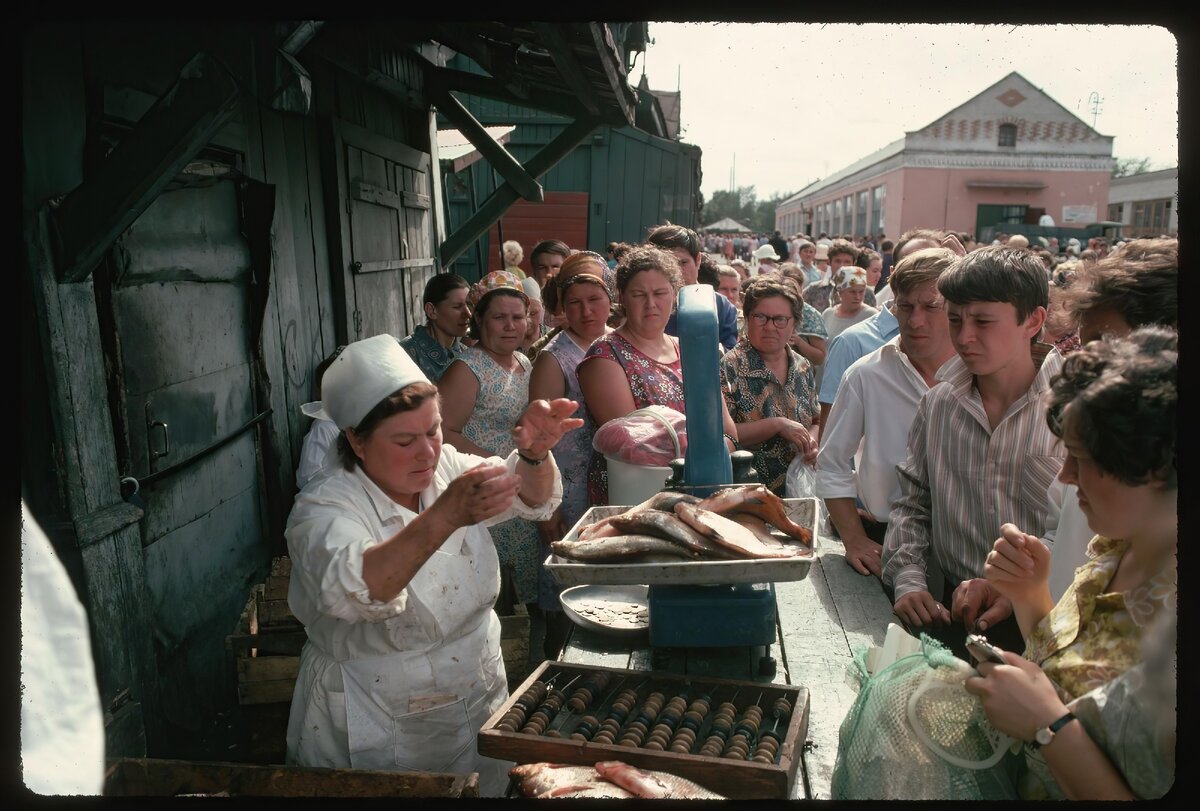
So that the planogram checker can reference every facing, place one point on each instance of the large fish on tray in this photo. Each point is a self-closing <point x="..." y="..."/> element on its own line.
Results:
<point x="668" y="525"/>
<point x="618" y="547"/>
<point x="762" y="531"/>
<point x="559" y="780"/>
<point x="730" y="534"/>
<point x="663" y="502"/>
<point x="756" y="499"/>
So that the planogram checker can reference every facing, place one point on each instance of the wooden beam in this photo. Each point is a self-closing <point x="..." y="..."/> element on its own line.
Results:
<point x="548" y="99"/>
<point x="502" y="198"/>
<point x="170" y="134"/>
<point x="495" y="154"/>
<point x="616" y="80"/>
<point x="568" y="65"/>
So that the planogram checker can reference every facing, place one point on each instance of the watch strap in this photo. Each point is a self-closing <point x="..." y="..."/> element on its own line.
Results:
<point x="1053" y="729"/>
<point x="529" y="461"/>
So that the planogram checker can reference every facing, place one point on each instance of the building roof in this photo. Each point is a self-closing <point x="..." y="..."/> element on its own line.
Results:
<point x="894" y="148"/>
<point x="1141" y="177"/>
<point x="726" y="224"/>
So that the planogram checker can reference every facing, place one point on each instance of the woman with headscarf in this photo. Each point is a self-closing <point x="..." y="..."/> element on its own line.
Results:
<point x="585" y="301"/>
<point x="394" y="575"/>
<point x="483" y="393"/>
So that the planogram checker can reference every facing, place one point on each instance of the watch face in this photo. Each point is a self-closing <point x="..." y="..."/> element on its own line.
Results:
<point x="1043" y="736"/>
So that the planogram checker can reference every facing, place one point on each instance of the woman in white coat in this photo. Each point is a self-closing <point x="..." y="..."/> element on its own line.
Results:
<point x="394" y="574"/>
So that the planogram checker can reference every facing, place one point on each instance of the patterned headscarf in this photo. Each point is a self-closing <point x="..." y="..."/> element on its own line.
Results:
<point x="849" y="276"/>
<point x="496" y="280"/>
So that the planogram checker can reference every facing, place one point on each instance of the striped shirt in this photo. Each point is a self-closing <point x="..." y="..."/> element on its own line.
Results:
<point x="962" y="479"/>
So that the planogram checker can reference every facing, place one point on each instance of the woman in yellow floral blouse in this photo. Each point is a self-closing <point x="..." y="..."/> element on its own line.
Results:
<point x="1114" y="406"/>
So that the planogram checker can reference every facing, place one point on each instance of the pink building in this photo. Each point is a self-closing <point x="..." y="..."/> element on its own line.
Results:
<point x="1008" y="155"/>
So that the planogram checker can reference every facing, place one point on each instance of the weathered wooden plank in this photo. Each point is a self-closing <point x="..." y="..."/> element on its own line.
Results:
<point x="393" y="264"/>
<point x="266" y="692"/>
<point x="97" y="526"/>
<point x="267" y="668"/>
<point x="276" y="587"/>
<point x="273" y="643"/>
<point x="181" y="122"/>
<point x="167" y="778"/>
<point x="322" y="319"/>
<point x="496" y="155"/>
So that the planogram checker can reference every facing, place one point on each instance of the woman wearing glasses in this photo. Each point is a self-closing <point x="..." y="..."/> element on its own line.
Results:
<point x="769" y="387"/>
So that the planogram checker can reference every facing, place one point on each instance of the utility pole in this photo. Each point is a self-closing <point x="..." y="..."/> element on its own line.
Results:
<point x="1095" y="100"/>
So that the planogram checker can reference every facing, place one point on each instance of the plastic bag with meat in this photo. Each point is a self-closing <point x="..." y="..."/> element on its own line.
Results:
<point x="642" y="437"/>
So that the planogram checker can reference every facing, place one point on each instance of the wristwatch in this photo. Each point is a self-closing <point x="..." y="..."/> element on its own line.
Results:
<point x="1046" y="734"/>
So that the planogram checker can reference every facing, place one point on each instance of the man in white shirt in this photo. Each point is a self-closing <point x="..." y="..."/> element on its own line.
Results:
<point x="866" y="436"/>
<point x="979" y="451"/>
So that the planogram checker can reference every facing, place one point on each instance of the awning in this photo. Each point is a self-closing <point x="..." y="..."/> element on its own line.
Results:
<point x="456" y="153"/>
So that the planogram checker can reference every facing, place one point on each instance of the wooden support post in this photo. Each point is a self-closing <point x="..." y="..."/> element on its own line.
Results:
<point x="502" y="198"/>
<point x="568" y="65"/>
<point x="495" y="154"/>
<point x="169" y="135"/>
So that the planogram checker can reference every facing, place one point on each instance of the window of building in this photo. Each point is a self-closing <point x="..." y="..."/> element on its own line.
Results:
<point x="861" y="217"/>
<point x="1115" y="212"/>
<point x="878" y="194"/>
<point x="1151" y="213"/>
<point x="837" y="216"/>
<point x="850" y="214"/>
<point x="1008" y="135"/>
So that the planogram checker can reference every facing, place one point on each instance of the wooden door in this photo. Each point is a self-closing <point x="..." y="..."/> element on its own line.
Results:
<point x="385" y="246"/>
<point x="562" y="215"/>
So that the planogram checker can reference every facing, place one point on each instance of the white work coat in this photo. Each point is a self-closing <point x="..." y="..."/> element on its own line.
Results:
<point x="406" y="684"/>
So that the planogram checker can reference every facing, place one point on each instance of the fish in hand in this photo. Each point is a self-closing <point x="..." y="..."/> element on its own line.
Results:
<point x="653" y="785"/>
<point x="758" y="500"/>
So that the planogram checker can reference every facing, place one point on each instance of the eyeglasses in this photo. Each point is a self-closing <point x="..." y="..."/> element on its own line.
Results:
<point x="779" y="321"/>
<point x="906" y="309"/>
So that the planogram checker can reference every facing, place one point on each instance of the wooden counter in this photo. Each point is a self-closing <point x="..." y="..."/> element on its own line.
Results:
<point x="822" y="620"/>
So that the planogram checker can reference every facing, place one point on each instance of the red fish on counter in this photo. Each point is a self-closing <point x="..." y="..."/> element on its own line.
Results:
<point x="653" y="785"/>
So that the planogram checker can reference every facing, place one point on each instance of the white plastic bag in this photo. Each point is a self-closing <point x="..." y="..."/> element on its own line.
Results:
<point x="801" y="482"/>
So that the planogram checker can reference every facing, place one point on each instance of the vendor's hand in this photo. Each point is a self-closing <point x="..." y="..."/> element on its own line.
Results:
<point x="1017" y="697"/>
<point x="978" y="606"/>
<point x="1018" y="565"/>
<point x="553" y="528"/>
<point x="478" y="494"/>
<point x="543" y="424"/>
<point x="918" y="609"/>
<point x="799" y="436"/>
<point x="863" y="555"/>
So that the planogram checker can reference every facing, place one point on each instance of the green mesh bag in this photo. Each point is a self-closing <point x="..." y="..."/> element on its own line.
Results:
<point x="915" y="733"/>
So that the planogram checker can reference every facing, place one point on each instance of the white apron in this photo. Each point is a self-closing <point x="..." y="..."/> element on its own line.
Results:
<point x="422" y="710"/>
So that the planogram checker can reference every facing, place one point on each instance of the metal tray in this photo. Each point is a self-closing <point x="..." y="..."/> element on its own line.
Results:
<point x="578" y="599"/>
<point x="686" y="572"/>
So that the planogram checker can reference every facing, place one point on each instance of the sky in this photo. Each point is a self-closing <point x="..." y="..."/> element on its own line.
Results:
<point x="769" y="111"/>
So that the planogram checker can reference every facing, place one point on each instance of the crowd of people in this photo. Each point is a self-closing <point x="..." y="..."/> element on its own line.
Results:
<point x="991" y="429"/>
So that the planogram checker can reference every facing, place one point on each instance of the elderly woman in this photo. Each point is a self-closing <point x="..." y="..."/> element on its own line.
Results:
<point x="435" y="344"/>
<point x="535" y="326"/>
<point x="586" y="303"/>
<point x="809" y="334"/>
<point x="769" y="387"/>
<point x="394" y="575"/>
<point x="1114" y="405"/>
<point x="850" y="286"/>
<point x="483" y="394"/>
<point x="638" y="364"/>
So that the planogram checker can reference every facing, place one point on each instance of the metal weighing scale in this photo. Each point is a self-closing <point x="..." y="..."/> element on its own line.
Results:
<point x="716" y="616"/>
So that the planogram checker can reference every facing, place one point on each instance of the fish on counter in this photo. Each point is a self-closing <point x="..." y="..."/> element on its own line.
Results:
<point x="546" y="781"/>
<point x="757" y="500"/>
<point x="653" y="785"/>
<point x="611" y="779"/>
<point x="732" y="535"/>
<point x="616" y="547"/>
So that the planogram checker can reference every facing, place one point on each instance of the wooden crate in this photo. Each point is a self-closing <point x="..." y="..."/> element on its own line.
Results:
<point x="146" y="777"/>
<point x="735" y="779"/>
<point x="265" y="649"/>
<point x="514" y="645"/>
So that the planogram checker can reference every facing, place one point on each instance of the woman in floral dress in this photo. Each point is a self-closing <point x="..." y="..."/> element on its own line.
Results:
<point x="483" y="393"/>
<point x="638" y="364"/>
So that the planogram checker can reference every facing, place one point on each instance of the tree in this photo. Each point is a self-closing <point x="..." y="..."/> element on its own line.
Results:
<point x="738" y="205"/>
<point x="1123" y="167"/>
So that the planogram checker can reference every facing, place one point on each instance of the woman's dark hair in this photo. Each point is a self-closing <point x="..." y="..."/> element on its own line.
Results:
<point x="485" y="303"/>
<point x="1007" y="275"/>
<point x="410" y="397"/>
<point x="440" y="286"/>
<point x="1139" y="280"/>
<point x="1120" y="396"/>
<point x="668" y="236"/>
<point x="550" y="246"/>
<point x="755" y="290"/>
<point x="706" y="272"/>
<point x="635" y="260"/>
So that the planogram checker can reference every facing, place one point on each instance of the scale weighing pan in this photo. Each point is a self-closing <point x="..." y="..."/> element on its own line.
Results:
<point x="606" y="609"/>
